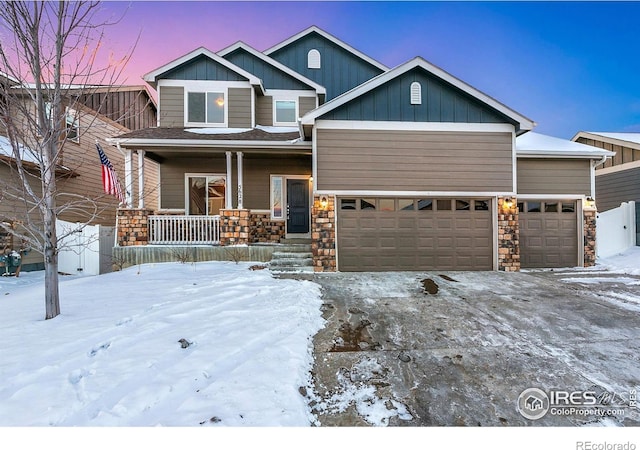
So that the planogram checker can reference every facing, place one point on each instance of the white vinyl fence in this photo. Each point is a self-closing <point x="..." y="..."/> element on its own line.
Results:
<point x="87" y="250"/>
<point x="616" y="230"/>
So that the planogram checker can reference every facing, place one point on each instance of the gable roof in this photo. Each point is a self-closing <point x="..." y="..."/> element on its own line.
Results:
<point x="153" y="76"/>
<point x="335" y="40"/>
<point x="540" y="145"/>
<point x="241" y="45"/>
<point x="626" y="139"/>
<point x="525" y="124"/>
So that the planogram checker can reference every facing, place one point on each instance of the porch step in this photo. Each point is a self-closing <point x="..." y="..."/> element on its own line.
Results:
<point x="292" y="257"/>
<point x="295" y="241"/>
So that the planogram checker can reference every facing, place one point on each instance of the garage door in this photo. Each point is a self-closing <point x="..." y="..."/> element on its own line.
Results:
<point x="386" y="234"/>
<point x="548" y="233"/>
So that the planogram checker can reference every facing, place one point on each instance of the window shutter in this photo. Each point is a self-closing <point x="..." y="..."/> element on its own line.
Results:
<point x="416" y="93"/>
<point x="313" y="59"/>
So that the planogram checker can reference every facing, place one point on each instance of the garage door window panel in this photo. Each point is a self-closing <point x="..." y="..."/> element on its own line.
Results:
<point x="463" y="205"/>
<point x="405" y="204"/>
<point x="481" y="205"/>
<point x="444" y="205"/>
<point x="550" y="207"/>
<point x="367" y="204"/>
<point x="568" y="207"/>
<point x="425" y="204"/>
<point x="387" y="204"/>
<point x="533" y="207"/>
<point x="348" y="203"/>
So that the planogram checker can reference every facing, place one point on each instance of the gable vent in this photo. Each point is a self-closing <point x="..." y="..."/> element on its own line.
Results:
<point x="416" y="93"/>
<point x="313" y="59"/>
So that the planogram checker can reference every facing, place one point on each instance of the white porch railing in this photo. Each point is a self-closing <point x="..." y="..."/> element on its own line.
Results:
<point x="184" y="230"/>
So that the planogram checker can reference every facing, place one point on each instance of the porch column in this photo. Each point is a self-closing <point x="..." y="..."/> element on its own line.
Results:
<point x="239" y="180"/>
<point x="228" y="195"/>
<point x="128" y="178"/>
<point x="140" y="179"/>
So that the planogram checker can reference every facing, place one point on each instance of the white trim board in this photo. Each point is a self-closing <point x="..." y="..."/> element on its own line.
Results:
<point x="241" y="45"/>
<point x="618" y="168"/>
<point x="413" y="126"/>
<point x="329" y="37"/>
<point x="152" y="76"/>
<point x="434" y="194"/>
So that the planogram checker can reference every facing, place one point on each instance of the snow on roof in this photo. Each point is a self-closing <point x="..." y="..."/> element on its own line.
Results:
<point x="536" y="144"/>
<point x="629" y="137"/>
<point x="218" y="130"/>
<point x="6" y="149"/>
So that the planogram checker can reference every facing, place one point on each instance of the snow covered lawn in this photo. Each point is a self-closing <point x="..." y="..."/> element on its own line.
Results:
<point x="113" y="357"/>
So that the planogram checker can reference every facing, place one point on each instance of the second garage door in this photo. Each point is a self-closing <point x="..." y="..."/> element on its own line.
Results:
<point x="387" y="234"/>
<point x="548" y="233"/>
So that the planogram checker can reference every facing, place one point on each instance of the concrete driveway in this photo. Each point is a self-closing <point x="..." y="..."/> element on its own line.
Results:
<point x="459" y="348"/>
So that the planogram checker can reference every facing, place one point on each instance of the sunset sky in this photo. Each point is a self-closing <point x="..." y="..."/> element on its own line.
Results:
<point x="569" y="66"/>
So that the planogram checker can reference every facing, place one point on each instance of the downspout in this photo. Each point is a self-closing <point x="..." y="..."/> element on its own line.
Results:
<point x="594" y="164"/>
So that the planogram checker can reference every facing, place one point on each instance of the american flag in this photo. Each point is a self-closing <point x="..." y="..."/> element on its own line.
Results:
<point x="110" y="181"/>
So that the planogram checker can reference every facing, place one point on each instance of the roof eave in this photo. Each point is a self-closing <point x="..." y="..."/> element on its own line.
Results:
<point x="525" y="124"/>
<point x="222" y="53"/>
<point x="333" y="39"/>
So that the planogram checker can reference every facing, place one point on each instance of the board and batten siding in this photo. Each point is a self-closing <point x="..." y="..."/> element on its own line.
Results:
<point x="617" y="187"/>
<point x="414" y="161"/>
<point x="240" y="107"/>
<point x="171" y="109"/>
<point x="554" y="176"/>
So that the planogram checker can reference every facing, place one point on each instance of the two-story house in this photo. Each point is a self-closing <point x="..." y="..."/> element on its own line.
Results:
<point x="97" y="113"/>
<point x="407" y="168"/>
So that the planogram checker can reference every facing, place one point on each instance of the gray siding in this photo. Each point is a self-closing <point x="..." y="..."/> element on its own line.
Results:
<point x="172" y="177"/>
<point x="340" y="69"/>
<point x="171" y="109"/>
<point x="257" y="171"/>
<point x="264" y="111"/>
<point x="554" y="176"/>
<point x="441" y="102"/>
<point x="615" y="188"/>
<point x="272" y="77"/>
<point x="240" y="107"/>
<point x="257" y="175"/>
<point x="414" y="161"/>
<point x="202" y="68"/>
<point x="623" y="154"/>
<point x="306" y="104"/>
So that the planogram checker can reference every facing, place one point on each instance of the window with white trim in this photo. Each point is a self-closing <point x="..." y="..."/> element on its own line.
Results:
<point x="206" y="108"/>
<point x="277" y="198"/>
<point x="71" y="122"/>
<point x="205" y="194"/>
<point x="313" y="59"/>
<point x="416" y="93"/>
<point x="286" y="112"/>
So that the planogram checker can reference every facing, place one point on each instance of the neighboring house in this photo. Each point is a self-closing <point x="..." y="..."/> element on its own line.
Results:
<point x="407" y="168"/>
<point x="618" y="179"/>
<point x="79" y="172"/>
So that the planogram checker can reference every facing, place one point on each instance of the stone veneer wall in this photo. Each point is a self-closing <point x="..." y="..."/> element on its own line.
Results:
<point x="133" y="227"/>
<point x="263" y="229"/>
<point x="323" y="235"/>
<point x="234" y="226"/>
<point x="508" y="236"/>
<point x="589" y="237"/>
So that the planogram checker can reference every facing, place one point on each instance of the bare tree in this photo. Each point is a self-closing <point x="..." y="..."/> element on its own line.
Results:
<point x="49" y="51"/>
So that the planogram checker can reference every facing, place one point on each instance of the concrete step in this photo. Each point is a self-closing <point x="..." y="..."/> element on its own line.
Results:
<point x="291" y="262"/>
<point x="278" y="255"/>
<point x="295" y="241"/>
<point x="292" y="269"/>
<point x="292" y="248"/>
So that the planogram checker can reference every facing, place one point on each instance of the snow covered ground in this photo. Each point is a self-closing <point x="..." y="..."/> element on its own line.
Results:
<point x="114" y="357"/>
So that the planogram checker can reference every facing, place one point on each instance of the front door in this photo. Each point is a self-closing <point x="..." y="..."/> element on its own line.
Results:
<point x="297" y="206"/>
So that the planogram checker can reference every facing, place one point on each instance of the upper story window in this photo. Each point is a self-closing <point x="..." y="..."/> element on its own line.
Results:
<point x="313" y="59"/>
<point x="285" y="112"/>
<point x="416" y="93"/>
<point x="71" y="122"/>
<point x="206" y="108"/>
